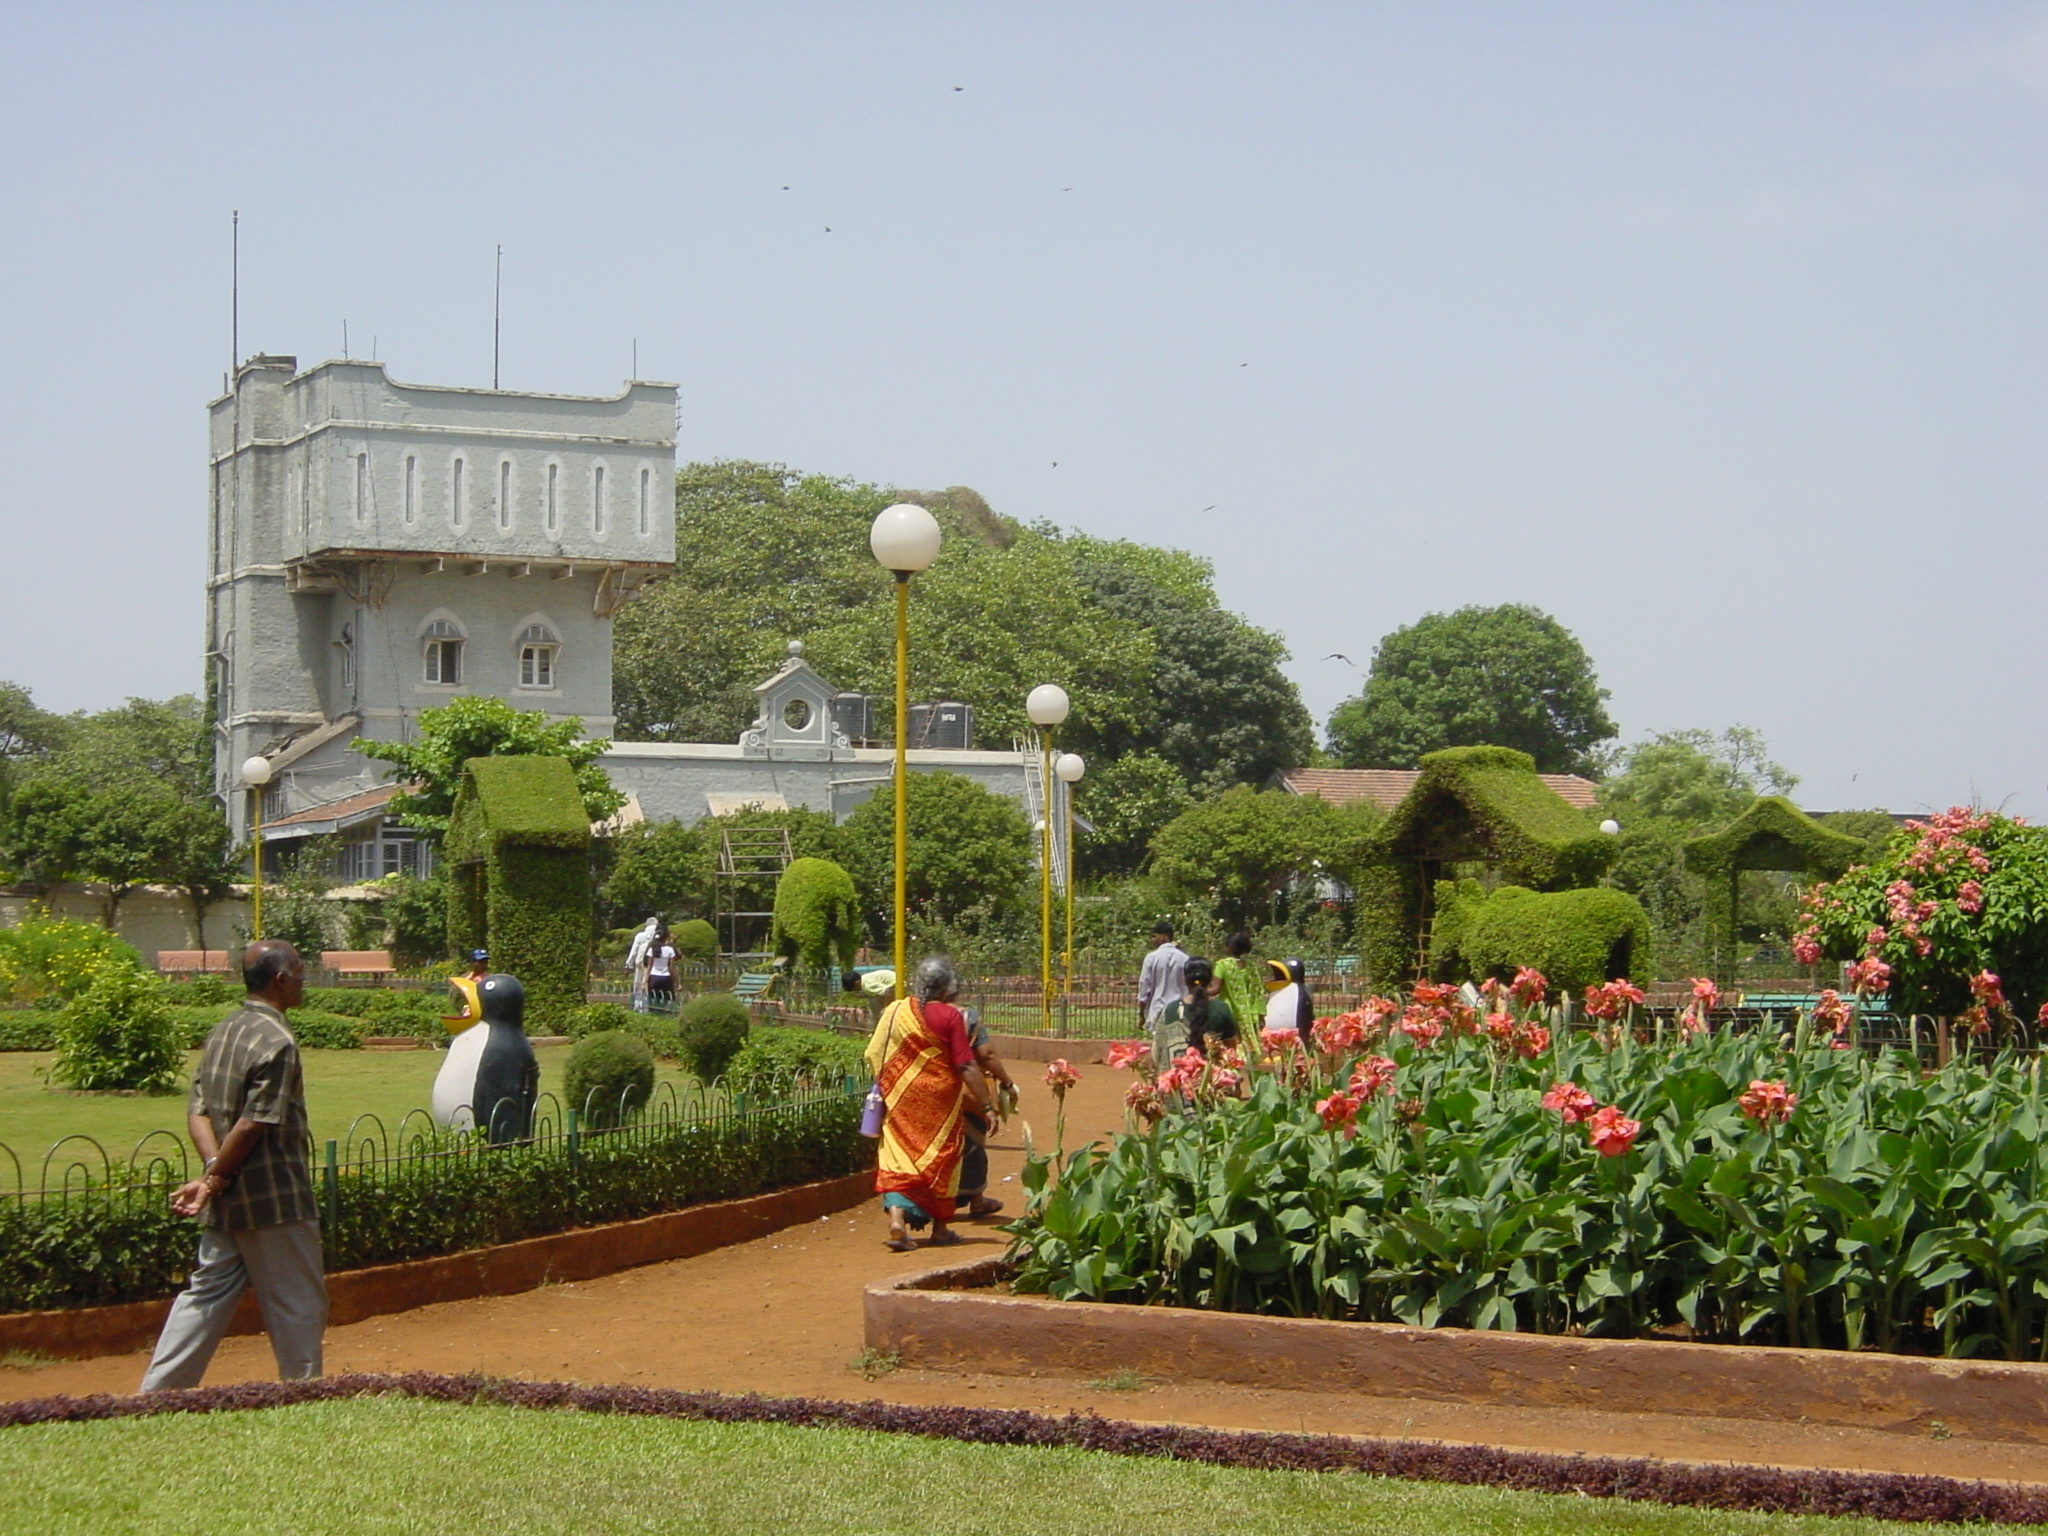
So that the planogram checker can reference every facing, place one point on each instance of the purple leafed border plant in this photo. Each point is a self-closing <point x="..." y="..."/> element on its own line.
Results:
<point x="1773" y="1490"/>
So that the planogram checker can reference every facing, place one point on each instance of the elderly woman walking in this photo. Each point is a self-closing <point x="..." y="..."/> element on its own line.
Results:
<point x="924" y="1064"/>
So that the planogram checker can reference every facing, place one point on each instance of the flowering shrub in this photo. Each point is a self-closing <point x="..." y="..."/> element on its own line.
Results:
<point x="1740" y="1186"/>
<point x="1959" y="895"/>
<point x="56" y="957"/>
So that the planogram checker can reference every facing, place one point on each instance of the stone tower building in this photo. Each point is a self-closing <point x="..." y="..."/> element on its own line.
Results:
<point x="377" y="548"/>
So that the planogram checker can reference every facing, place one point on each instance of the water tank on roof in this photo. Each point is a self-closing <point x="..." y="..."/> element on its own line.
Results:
<point x="947" y="727"/>
<point x="854" y="714"/>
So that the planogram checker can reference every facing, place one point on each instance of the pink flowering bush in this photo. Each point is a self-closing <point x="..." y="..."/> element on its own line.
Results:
<point x="1955" y="896"/>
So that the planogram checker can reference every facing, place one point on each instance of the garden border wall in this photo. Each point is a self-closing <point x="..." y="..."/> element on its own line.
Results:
<point x="584" y="1253"/>
<point x="945" y="1319"/>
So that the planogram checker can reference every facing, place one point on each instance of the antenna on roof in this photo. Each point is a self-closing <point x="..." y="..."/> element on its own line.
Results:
<point x="497" y="306"/>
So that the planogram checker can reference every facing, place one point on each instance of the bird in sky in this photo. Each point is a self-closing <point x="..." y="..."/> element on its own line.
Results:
<point x="1340" y="656"/>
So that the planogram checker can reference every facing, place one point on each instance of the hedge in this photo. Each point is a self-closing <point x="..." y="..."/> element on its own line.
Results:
<point x="1575" y="938"/>
<point x="125" y="1245"/>
<point x="1772" y="833"/>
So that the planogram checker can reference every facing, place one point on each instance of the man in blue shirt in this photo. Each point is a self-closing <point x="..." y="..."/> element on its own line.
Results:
<point x="1163" y="977"/>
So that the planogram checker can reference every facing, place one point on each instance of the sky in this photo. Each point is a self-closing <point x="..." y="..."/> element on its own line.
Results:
<point x="1718" y="331"/>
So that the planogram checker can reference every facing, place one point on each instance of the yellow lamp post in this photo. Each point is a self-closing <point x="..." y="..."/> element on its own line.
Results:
<point x="1068" y="770"/>
<point x="1046" y="706"/>
<point x="905" y="539"/>
<point x="256" y="774"/>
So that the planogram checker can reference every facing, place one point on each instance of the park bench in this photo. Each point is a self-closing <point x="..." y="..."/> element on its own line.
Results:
<point x="357" y="962"/>
<point x="753" y="986"/>
<point x="192" y="962"/>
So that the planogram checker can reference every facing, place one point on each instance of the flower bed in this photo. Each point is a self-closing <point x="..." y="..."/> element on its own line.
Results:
<point x="1435" y="1163"/>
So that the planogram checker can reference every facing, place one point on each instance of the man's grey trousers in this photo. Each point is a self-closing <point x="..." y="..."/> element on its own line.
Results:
<point x="283" y="1264"/>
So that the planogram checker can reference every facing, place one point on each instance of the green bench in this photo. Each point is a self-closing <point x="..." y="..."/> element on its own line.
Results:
<point x="754" y="986"/>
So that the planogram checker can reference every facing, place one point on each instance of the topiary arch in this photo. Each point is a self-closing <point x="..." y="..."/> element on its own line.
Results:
<point x="1772" y="834"/>
<point x="518" y="851"/>
<point x="1482" y="805"/>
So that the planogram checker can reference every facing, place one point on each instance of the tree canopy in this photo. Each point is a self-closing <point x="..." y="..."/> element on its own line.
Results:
<point x="1510" y="676"/>
<point x="1244" y="849"/>
<point x="1699" y="778"/>
<point x="464" y="728"/>
<point x="1135" y="635"/>
<point x="970" y="850"/>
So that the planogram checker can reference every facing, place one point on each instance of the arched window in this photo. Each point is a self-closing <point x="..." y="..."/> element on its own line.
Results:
<point x="458" y="504"/>
<point x="504" y="493"/>
<point x="597" y="506"/>
<point x="646" y="495"/>
<point x="537" y="647"/>
<point x="441" y="654"/>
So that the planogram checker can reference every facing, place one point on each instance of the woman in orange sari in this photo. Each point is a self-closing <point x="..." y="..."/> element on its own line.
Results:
<point x="924" y="1064"/>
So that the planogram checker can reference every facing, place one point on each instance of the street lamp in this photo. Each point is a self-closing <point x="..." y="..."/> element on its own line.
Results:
<point x="1068" y="769"/>
<point x="1046" y="706"/>
<point x="256" y="774"/>
<point x="905" y="538"/>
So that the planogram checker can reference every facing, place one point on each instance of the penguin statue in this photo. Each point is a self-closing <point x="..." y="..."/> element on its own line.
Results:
<point x="1289" y="1004"/>
<point x="491" y="1078"/>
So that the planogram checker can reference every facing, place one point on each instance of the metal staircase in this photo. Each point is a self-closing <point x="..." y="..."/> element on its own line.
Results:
<point x="1034" y="811"/>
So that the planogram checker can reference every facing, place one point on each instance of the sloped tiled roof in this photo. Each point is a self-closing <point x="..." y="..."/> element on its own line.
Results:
<point x="1388" y="787"/>
<point x="340" y="813"/>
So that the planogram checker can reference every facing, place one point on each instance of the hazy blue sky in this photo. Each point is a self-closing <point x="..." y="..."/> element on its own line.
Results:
<point x="1715" y="330"/>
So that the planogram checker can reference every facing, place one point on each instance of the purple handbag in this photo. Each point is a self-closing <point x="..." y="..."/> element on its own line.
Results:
<point x="871" y="1112"/>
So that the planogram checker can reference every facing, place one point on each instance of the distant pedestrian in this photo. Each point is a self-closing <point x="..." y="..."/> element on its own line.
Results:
<point x="1161" y="982"/>
<point x="661" y="972"/>
<point x="1202" y="1016"/>
<point x="259" y="1220"/>
<point x="1240" y="982"/>
<point x="636" y="962"/>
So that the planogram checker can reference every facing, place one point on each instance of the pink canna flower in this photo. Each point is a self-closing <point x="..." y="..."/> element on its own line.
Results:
<point x="1143" y="1100"/>
<point x="1422" y="1026"/>
<point x="1060" y="1076"/>
<point x="1135" y="1055"/>
<point x="1571" y="1102"/>
<point x="1704" y="993"/>
<point x="1531" y="1041"/>
<point x="1335" y="1036"/>
<point x="1529" y="986"/>
<point x="1339" y="1112"/>
<point x="1611" y="1132"/>
<point x="1278" y="1041"/>
<point x="1499" y="1027"/>
<point x="1832" y="1010"/>
<point x="1767" y="1103"/>
<point x="1870" y="977"/>
<point x="1371" y="1076"/>
<point x="1986" y="989"/>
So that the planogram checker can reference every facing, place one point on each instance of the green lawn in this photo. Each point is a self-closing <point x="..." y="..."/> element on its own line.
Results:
<point x="339" y="1086"/>
<point x="397" y="1465"/>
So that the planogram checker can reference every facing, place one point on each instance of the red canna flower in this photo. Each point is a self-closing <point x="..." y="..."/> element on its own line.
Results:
<point x="1611" y="1132"/>
<point x="1060" y="1076"/>
<point x="1571" y="1102"/>
<point x="1767" y="1103"/>
<point x="1133" y="1054"/>
<point x="1529" y="986"/>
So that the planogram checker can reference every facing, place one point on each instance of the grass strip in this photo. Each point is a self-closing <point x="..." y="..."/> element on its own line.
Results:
<point x="1726" y="1487"/>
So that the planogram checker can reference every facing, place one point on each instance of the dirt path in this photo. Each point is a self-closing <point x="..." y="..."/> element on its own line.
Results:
<point x="782" y="1315"/>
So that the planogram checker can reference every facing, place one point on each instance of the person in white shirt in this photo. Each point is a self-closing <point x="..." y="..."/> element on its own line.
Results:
<point x="1161" y="981"/>
<point x="661" y="972"/>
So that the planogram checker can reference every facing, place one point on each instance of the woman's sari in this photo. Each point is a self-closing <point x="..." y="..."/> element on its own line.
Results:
<point x="923" y="1127"/>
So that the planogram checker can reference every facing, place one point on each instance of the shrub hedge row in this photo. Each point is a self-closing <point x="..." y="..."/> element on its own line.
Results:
<point x="125" y="1245"/>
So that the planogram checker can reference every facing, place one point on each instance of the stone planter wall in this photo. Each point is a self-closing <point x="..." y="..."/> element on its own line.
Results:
<point x="948" y="1320"/>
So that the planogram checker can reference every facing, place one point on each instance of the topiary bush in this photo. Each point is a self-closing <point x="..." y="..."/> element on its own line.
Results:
<point x="817" y="915"/>
<point x="776" y="1061"/>
<point x="1575" y="938"/>
<point x="596" y="1018"/>
<point x="609" y="1077"/>
<point x="709" y="1032"/>
<point x="695" y="940"/>
<point x="119" y="1033"/>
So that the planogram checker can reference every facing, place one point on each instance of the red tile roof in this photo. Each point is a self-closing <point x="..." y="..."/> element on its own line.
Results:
<point x="1388" y="787"/>
<point x="337" y="810"/>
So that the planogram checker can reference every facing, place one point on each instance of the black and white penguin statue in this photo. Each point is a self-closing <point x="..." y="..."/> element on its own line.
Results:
<point x="491" y="1078"/>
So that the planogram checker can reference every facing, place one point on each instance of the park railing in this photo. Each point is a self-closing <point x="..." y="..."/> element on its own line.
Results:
<point x="80" y="1227"/>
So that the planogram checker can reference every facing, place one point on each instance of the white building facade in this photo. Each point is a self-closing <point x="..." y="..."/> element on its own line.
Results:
<point x="378" y="548"/>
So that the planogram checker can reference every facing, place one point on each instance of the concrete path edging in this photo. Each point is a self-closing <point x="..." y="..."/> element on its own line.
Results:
<point x="583" y="1253"/>
<point x="948" y="1319"/>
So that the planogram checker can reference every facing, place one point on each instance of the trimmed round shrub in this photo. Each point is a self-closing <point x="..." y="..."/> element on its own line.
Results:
<point x="778" y="1060"/>
<point x="596" y="1018"/>
<point x="609" y="1077"/>
<point x="119" y="1033"/>
<point x="695" y="940"/>
<point x="709" y="1032"/>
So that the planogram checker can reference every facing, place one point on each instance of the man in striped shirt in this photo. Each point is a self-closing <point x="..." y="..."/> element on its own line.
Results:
<point x="259" y="1220"/>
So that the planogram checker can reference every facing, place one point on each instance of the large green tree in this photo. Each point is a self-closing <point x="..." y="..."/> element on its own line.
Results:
<point x="1510" y="676"/>
<point x="446" y="738"/>
<point x="1242" y="850"/>
<point x="1134" y="634"/>
<point x="970" y="851"/>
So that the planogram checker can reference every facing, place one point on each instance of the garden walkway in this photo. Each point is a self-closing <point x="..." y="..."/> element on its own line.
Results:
<point x="782" y="1315"/>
